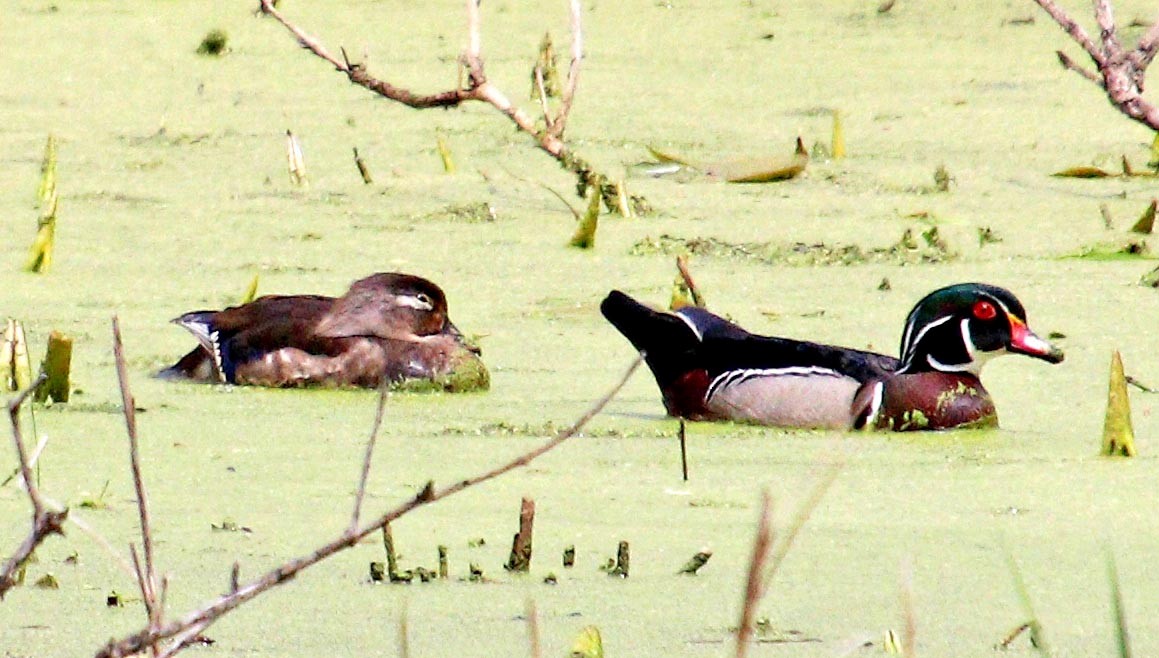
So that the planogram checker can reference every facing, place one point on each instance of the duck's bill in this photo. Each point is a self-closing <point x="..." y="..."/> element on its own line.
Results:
<point x="449" y="329"/>
<point x="1025" y="341"/>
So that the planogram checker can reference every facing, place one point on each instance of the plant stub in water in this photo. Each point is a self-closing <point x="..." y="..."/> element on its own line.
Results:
<point x="696" y="562"/>
<point x="1146" y="222"/>
<point x="56" y="366"/>
<point x="520" y="559"/>
<point x="1118" y="433"/>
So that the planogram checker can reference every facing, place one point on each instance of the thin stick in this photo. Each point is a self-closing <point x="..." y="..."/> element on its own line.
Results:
<point x="532" y="616"/>
<point x="909" y="634"/>
<point x="135" y="643"/>
<point x="383" y="391"/>
<point x="477" y="87"/>
<point x="40" y="449"/>
<point x="754" y="587"/>
<point x="683" y="452"/>
<point x="129" y="408"/>
<point x="45" y="522"/>
<point x="403" y="633"/>
<point x="557" y="125"/>
<point x="804" y="511"/>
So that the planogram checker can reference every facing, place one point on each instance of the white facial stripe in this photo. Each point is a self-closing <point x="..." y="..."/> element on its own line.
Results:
<point x="907" y="358"/>
<point x="691" y="325"/>
<point x="735" y="377"/>
<point x="414" y="301"/>
<point x="968" y="340"/>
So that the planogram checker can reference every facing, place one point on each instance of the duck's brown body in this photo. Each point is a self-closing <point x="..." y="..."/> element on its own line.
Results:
<point x="388" y="327"/>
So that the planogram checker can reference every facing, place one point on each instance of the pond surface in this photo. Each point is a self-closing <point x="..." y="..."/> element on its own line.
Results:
<point x="174" y="194"/>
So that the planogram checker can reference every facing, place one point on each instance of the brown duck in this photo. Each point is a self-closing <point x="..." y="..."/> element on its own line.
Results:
<point x="388" y="326"/>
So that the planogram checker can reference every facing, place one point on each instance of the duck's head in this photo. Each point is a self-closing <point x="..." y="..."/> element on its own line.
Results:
<point x="389" y="305"/>
<point x="960" y="327"/>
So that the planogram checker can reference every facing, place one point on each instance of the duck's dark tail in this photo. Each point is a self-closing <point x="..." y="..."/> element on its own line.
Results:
<point x="669" y="342"/>
<point x="205" y="362"/>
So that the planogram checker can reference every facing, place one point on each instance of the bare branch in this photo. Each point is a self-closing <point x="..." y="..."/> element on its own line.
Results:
<point x="365" y="475"/>
<point x="1105" y="17"/>
<point x="1068" y="63"/>
<point x="1120" y="74"/>
<point x="768" y="554"/>
<point x="305" y="40"/>
<point x="804" y="511"/>
<point x="139" y="641"/>
<point x="1072" y="28"/>
<point x="557" y="126"/>
<point x="754" y="586"/>
<point x="129" y="409"/>
<point x="45" y="522"/>
<point x="1145" y="51"/>
<point x="477" y="87"/>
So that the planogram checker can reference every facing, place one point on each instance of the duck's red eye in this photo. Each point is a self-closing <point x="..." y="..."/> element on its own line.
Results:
<point x="985" y="311"/>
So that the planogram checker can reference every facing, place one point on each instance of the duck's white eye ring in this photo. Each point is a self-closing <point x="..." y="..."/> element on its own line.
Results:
<point x="421" y="301"/>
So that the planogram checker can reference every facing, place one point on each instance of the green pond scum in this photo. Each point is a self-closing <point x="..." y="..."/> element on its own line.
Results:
<point x="171" y="172"/>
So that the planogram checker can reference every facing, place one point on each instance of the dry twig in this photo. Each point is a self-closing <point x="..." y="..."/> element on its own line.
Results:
<point x="146" y="579"/>
<point x="1120" y="72"/>
<point x="754" y="586"/>
<point x="207" y="615"/>
<point x="45" y="521"/>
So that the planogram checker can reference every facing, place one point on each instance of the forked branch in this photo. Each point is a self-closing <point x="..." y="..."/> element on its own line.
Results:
<point x="476" y="88"/>
<point x="179" y="629"/>
<point x="1120" y="72"/>
<point x="45" y="521"/>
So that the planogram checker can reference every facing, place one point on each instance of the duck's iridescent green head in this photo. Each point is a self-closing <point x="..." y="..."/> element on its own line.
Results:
<point x="960" y="327"/>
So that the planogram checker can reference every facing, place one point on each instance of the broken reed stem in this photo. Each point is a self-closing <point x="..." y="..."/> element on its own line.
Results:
<point x="45" y="522"/>
<point x="754" y="583"/>
<point x="208" y="614"/>
<point x="360" y="494"/>
<point x="475" y="88"/>
<point x="149" y="577"/>
<point x="56" y="366"/>
<point x="686" y="276"/>
<point x="520" y="558"/>
<point x="683" y="452"/>
<point x="363" y="170"/>
<point x="391" y="555"/>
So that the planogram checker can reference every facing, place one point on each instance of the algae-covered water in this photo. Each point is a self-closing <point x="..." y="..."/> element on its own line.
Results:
<point x="174" y="194"/>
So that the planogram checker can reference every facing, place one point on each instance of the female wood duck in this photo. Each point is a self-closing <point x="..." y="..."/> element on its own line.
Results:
<point x="711" y="369"/>
<point x="387" y="326"/>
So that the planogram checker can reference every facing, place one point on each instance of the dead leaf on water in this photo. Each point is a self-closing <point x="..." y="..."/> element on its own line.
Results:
<point x="761" y="169"/>
<point x="1083" y="172"/>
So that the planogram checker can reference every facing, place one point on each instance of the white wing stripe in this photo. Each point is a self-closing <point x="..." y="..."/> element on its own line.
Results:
<point x="735" y="377"/>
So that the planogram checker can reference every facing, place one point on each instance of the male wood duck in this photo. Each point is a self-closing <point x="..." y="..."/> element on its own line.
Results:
<point x="388" y="326"/>
<point x="711" y="369"/>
